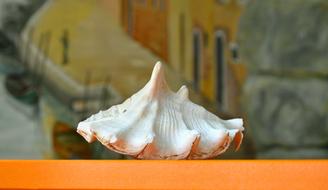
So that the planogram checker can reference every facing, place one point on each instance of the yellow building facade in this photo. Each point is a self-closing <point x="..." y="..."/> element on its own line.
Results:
<point x="199" y="40"/>
<point x="216" y="72"/>
<point x="179" y="35"/>
<point x="203" y="48"/>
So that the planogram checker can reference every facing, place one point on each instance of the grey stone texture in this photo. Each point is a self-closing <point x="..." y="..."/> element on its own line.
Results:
<point x="15" y="13"/>
<point x="284" y="153"/>
<point x="285" y="47"/>
<point x="287" y="112"/>
<point x="285" y="35"/>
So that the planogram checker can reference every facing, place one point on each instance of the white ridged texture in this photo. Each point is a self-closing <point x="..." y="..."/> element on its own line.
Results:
<point x="156" y="123"/>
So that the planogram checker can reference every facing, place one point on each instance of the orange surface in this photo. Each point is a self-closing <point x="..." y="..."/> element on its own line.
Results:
<point x="137" y="174"/>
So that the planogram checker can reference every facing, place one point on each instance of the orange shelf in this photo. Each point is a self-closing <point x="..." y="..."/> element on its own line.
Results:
<point x="136" y="174"/>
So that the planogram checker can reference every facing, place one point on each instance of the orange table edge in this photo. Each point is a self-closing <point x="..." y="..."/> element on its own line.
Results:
<point x="137" y="174"/>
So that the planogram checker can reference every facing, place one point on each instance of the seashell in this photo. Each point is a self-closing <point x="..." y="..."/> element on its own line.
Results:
<point x="156" y="123"/>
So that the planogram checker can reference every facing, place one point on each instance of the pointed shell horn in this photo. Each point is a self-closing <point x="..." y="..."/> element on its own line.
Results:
<point x="183" y="92"/>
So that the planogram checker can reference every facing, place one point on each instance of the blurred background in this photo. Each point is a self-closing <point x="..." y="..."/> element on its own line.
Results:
<point x="264" y="61"/>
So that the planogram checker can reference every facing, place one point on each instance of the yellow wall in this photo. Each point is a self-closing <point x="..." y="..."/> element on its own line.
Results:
<point x="114" y="8"/>
<point x="67" y="20"/>
<point x="180" y="35"/>
<point x="98" y="47"/>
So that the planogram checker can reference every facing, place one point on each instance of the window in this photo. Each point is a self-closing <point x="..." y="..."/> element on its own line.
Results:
<point x="65" y="45"/>
<point x="197" y="57"/>
<point x="234" y="50"/>
<point x="182" y="41"/>
<point x="220" y="69"/>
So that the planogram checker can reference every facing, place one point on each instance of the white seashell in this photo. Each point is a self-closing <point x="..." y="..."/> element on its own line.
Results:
<point x="156" y="123"/>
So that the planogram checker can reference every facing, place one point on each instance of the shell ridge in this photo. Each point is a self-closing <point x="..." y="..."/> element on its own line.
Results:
<point x="172" y="131"/>
<point x="141" y="126"/>
<point x="150" y="144"/>
<point x="222" y="147"/>
<point x="191" y="125"/>
<point x="97" y="118"/>
<point x="195" y="122"/>
<point x="175" y="128"/>
<point x="114" y="134"/>
<point x="182" y="124"/>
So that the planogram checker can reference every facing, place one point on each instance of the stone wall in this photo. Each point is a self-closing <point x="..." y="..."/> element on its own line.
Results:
<point x="15" y="13"/>
<point x="285" y="46"/>
<point x="13" y="17"/>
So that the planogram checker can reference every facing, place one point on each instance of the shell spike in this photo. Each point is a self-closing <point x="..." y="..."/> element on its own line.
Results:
<point x="157" y="80"/>
<point x="158" y="71"/>
<point x="183" y="92"/>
